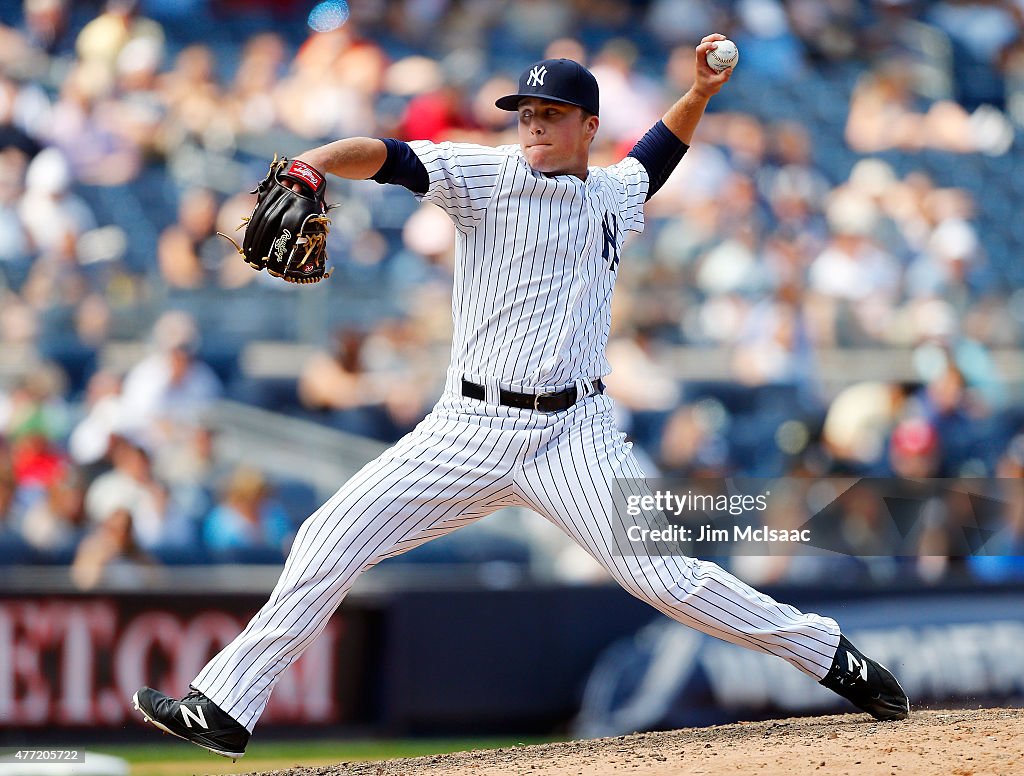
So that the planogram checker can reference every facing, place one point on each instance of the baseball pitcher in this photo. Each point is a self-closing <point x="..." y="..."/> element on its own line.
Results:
<point x="523" y="418"/>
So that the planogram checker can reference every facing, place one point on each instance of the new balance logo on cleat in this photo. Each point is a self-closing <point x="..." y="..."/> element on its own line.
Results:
<point x="195" y="718"/>
<point x="857" y="666"/>
<point x="867" y="684"/>
<point x="197" y="715"/>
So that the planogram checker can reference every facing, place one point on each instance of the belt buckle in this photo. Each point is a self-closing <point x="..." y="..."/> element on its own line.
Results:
<point x="536" y="401"/>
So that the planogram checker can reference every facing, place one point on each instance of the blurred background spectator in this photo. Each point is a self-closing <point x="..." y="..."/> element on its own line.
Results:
<point x="131" y="487"/>
<point x="248" y="517"/>
<point x="109" y="552"/>
<point x="167" y="392"/>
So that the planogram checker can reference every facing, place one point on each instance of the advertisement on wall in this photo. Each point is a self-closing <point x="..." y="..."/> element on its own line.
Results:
<point x="946" y="649"/>
<point x="74" y="662"/>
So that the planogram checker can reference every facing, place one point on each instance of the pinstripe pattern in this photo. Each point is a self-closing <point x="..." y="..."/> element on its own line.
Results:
<point x="536" y="266"/>
<point x="447" y="472"/>
<point x="464" y="461"/>
<point x="532" y="297"/>
<point x="571" y="483"/>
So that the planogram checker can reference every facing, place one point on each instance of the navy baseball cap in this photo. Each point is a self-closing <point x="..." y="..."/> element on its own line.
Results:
<point x="558" y="80"/>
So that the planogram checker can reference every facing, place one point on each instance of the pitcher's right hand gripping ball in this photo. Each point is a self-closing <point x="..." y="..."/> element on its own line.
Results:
<point x="286" y="234"/>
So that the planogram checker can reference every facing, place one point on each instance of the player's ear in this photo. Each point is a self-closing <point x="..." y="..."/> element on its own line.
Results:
<point x="590" y="125"/>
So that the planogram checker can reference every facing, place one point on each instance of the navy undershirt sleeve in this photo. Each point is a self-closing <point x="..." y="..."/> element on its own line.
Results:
<point x="403" y="167"/>
<point x="659" y="151"/>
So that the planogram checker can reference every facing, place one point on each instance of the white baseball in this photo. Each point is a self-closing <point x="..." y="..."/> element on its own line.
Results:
<point x="723" y="56"/>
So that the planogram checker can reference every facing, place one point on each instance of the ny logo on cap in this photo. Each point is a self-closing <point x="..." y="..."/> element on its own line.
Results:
<point x="537" y="75"/>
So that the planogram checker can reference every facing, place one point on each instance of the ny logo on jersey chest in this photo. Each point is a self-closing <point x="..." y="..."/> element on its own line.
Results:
<point x="610" y="227"/>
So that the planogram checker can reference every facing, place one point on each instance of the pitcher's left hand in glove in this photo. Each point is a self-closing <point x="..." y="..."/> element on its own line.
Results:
<point x="287" y="231"/>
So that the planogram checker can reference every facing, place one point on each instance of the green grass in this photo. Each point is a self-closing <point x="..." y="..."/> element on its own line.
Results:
<point x="169" y="756"/>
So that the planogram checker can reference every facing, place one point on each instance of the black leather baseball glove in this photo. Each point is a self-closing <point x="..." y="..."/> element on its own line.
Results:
<point x="286" y="234"/>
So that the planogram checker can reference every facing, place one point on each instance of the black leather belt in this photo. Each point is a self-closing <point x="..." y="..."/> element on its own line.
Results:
<point x="541" y="402"/>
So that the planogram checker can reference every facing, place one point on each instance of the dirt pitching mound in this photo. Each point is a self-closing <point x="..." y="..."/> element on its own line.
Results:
<point x="929" y="743"/>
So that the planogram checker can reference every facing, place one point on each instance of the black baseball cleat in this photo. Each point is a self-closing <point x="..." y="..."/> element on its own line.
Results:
<point x="195" y="718"/>
<point x="866" y="684"/>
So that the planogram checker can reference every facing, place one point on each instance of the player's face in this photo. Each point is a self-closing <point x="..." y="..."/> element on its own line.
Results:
<point x="555" y="137"/>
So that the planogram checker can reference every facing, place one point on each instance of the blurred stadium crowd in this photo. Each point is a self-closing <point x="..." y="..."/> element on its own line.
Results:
<point x="853" y="189"/>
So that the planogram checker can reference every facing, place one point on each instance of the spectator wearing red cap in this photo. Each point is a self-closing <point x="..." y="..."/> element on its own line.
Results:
<point x="914" y="449"/>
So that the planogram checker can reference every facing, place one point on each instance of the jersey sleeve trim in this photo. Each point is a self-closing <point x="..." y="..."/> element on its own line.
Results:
<point x="403" y="167"/>
<point x="659" y="151"/>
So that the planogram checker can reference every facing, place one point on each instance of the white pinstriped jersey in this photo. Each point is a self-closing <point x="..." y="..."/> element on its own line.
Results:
<point x="537" y="261"/>
<point x="537" y="258"/>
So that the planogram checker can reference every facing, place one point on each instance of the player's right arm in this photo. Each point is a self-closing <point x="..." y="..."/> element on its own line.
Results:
<point x="662" y="147"/>
<point x="684" y="116"/>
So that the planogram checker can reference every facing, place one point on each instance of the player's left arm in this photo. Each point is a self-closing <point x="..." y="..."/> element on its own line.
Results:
<point x="660" y="150"/>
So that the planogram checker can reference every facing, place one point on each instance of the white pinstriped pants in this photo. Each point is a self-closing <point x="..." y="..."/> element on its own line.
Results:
<point x="462" y="462"/>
